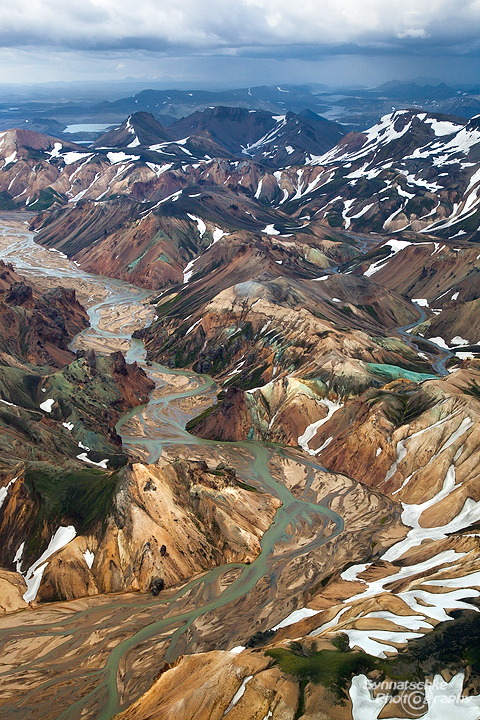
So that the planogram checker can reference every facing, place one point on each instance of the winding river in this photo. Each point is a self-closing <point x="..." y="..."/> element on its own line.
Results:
<point x="439" y="356"/>
<point x="93" y="657"/>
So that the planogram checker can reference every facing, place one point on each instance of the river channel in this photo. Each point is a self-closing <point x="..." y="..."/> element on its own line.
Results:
<point x="92" y="657"/>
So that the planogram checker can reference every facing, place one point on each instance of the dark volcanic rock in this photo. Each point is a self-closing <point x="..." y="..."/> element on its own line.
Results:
<point x="37" y="326"/>
<point x="141" y="127"/>
<point x="227" y="421"/>
<point x="157" y="586"/>
<point x="20" y="294"/>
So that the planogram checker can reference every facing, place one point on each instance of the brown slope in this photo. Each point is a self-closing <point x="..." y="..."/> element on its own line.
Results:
<point x="38" y="326"/>
<point x="156" y="512"/>
<point x="232" y="128"/>
<point x="141" y="128"/>
<point x="252" y="318"/>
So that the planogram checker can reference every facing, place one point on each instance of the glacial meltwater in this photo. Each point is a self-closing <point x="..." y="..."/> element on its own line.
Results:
<point x="80" y="657"/>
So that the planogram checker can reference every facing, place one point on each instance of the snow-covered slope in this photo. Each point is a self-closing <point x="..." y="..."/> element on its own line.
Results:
<point x="410" y="171"/>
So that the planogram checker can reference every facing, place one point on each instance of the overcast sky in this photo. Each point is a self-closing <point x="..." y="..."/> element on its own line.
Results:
<point x="239" y="42"/>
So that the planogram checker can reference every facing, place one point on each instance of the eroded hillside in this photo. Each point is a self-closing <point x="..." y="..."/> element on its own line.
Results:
<point x="278" y="475"/>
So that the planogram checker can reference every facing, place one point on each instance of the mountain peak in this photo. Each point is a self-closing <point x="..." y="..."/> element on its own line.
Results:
<point x="139" y="129"/>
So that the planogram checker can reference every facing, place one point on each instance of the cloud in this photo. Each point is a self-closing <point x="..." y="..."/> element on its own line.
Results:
<point x="216" y="26"/>
<point x="252" y="41"/>
<point x="412" y="33"/>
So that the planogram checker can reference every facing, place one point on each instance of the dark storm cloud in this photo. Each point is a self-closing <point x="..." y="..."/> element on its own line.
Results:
<point x="243" y="26"/>
<point x="238" y="41"/>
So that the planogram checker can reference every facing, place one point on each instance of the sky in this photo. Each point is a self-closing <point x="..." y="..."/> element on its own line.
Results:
<point x="239" y="42"/>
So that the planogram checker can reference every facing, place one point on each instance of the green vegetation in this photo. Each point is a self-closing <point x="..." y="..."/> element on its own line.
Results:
<point x="371" y="311"/>
<point x="334" y="219"/>
<point x="245" y="486"/>
<point x="192" y="424"/>
<point x="420" y="205"/>
<point x="19" y="387"/>
<point x="401" y="407"/>
<point x="331" y="668"/>
<point x="6" y="201"/>
<point x="46" y="198"/>
<point x="82" y="497"/>
<point x="451" y="645"/>
<point x="473" y="390"/>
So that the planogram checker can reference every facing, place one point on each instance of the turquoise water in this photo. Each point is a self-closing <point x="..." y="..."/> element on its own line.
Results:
<point x="392" y="372"/>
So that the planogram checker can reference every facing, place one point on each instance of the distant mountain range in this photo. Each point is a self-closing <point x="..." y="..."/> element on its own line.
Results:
<point x="183" y="102"/>
<point x="413" y="171"/>
<point x="356" y="108"/>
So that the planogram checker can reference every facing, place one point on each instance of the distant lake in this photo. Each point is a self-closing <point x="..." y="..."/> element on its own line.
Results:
<point x="87" y="127"/>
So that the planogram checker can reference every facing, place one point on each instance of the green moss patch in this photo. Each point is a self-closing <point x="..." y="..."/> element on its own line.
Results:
<point x="82" y="497"/>
<point x="331" y="668"/>
<point x="192" y="424"/>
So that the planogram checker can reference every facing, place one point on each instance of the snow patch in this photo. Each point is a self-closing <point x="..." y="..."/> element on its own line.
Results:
<point x="10" y="159"/>
<point x="117" y="157"/>
<point x="270" y="230"/>
<point x="311" y="430"/>
<point x="375" y="642"/>
<point x="238" y="694"/>
<point x="395" y="246"/>
<point x="33" y="576"/>
<point x="440" y="342"/>
<point x="102" y="464"/>
<point x="200" y="224"/>
<point x="71" y="157"/>
<point x="4" y="490"/>
<point x="295" y="617"/>
<point x="444" y="700"/>
<point x="89" y="557"/>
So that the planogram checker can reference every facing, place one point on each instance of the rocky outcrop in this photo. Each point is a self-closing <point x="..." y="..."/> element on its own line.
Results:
<point x="383" y="180"/>
<point x="305" y="357"/>
<point x="38" y="326"/>
<point x="264" y="688"/>
<point x="162" y="524"/>
<point x="12" y="589"/>
<point x="59" y="450"/>
<point x="260" y="330"/>
<point x="152" y="246"/>
<point x="386" y="179"/>
<point x="280" y="411"/>
<point x="51" y="417"/>
<point x="403" y="439"/>
<point x="228" y="421"/>
<point x="138" y="129"/>
<point x="273" y="140"/>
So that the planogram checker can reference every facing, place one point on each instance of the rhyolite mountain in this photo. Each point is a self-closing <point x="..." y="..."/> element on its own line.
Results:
<point x="269" y="139"/>
<point x="412" y="171"/>
<point x="37" y="327"/>
<point x="139" y="129"/>
<point x="332" y="293"/>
